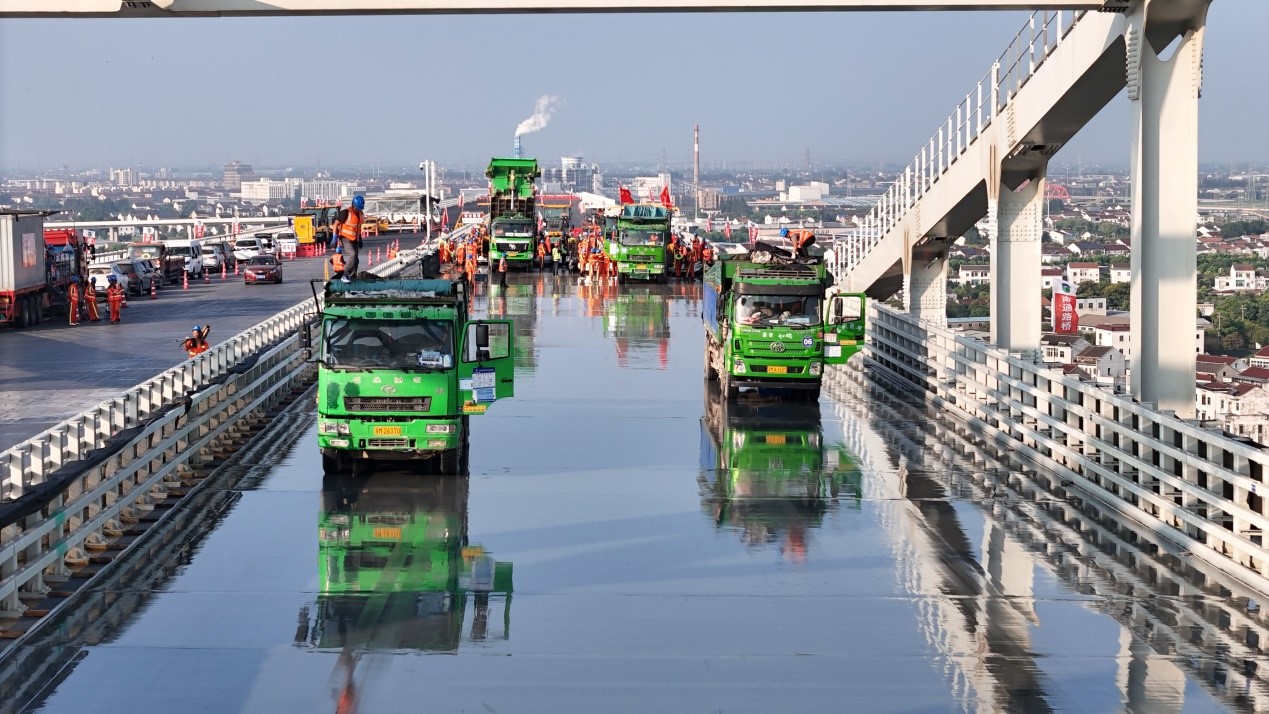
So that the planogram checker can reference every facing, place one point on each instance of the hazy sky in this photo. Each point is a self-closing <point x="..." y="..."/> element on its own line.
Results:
<point x="346" y="91"/>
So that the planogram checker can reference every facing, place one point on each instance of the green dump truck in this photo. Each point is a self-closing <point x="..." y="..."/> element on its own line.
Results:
<point x="637" y="242"/>
<point x="767" y="472"/>
<point x="513" y="228"/>
<point x="396" y="571"/>
<point x="768" y="323"/>
<point x="401" y="367"/>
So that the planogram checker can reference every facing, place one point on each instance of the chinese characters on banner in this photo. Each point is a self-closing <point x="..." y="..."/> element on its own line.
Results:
<point x="1065" y="319"/>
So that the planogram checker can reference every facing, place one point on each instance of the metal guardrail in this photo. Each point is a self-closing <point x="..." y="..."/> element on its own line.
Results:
<point x="1030" y="47"/>
<point x="1194" y="486"/>
<point x="91" y="473"/>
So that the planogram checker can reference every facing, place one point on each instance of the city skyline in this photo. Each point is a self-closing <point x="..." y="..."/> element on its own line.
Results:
<point x="851" y="87"/>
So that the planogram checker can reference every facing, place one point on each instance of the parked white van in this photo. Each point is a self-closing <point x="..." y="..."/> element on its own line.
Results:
<point x="191" y="250"/>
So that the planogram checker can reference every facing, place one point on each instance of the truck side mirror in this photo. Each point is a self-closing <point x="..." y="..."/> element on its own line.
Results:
<point x="306" y="341"/>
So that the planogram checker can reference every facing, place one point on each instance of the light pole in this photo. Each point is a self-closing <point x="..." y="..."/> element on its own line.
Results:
<point x="428" y="167"/>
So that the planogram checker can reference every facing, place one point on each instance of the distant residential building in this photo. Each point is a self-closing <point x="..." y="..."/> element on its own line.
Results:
<point x="1120" y="273"/>
<point x="1253" y="375"/>
<point x="1260" y="358"/>
<point x="1242" y="278"/>
<point x="1105" y="365"/>
<point x="1090" y="306"/>
<point x="1061" y="349"/>
<point x="1051" y="254"/>
<point x="1083" y="273"/>
<point x="1241" y="409"/>
<point x="974" y="275"/>
<point x="1086" y="248"/>
<point x="1048" y="276"/>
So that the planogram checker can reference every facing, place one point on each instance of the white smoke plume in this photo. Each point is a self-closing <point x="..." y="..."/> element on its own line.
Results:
<point x="542" y="112"/>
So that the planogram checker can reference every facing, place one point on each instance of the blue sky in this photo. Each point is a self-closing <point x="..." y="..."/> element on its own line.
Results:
<point x="866" y="87"/>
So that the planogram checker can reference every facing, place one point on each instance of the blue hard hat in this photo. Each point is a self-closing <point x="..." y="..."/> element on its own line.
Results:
<point x="197" y="328"/>
<point x="339" y="249"/>
<point x="74" y="278"/>
<point x="359" y="202"/>
<point x="112" y="278"/>
<point x="784" y="232"/>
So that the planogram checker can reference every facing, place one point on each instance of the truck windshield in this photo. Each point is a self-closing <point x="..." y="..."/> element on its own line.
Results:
<point x="785" y="310"/>
<point x="642" y="236"/>
<point x="390" y="344"/>
<point x="518" y="228"/>
<point x="178" y="250"/>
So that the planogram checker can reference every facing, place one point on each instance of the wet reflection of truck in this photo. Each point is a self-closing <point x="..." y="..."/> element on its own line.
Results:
<point x="767" y="324"/>
<point x="638" y="320"/>
<point x="767" y="473"/>
<point x="396" y="571"/>
<point x="518" y="302"/>
<point x="400" y="369"/>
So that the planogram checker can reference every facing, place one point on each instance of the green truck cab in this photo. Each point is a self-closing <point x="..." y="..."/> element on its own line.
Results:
<point x="767" y="472"/>
<point x="637" y="242"/>
<point x="513" y="228"/>
<point x="769" y="324"/>
<point x="401" y="367"/>
<point x="396" y="571"/>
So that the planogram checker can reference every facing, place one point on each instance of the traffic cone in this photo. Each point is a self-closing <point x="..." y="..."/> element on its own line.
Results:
<point x="235" y="267"/>
<point x="206" y="278"/>
<point x="223" y="270"/>
<point x="185" y="281"/>
<point x="154" y="290"/>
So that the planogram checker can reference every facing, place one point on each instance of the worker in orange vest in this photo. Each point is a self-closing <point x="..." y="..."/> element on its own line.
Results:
<point x="471" y="269"/>
<point x="114" y="299"/>
<point x="196" y="343"/>
<point x="90" y="300"/>
<point x="541" y="254"/>
<point x="502" y="271"/>
<point x="73" y="295"/>
<point x="348" y="228"/>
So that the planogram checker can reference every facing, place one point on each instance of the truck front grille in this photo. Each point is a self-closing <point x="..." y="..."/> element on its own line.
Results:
<point x="387" y="404"/>
<point x="387" y="443"/>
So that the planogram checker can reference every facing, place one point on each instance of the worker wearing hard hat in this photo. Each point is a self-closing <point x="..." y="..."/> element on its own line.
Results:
<point x="348" y="228"/>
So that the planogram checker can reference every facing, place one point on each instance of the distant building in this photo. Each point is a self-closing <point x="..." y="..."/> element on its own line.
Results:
<point x="1061" y="349"/>
<point x="1083" y="273"/>
<point x="235" y="173"/>
<point x="268" y="191"/>
<point x="1120" y="273"/>
<point x="1090" y="306"/>
<point x="1105" y="365"/>
<point x="974" y="275"/>
<point x="1242" y="278"/>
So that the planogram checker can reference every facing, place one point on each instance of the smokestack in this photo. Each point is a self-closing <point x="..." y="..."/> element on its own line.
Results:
<point x="515" y="148"/>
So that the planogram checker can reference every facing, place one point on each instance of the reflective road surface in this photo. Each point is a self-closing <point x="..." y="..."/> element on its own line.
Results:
<point x="625" y="542"/>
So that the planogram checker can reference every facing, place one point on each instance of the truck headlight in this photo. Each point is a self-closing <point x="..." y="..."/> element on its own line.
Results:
<point x="328" y="427"/>
<point x="816" y="367"/>
<point x="740" y="366"/>
<point x="440" y="428"/>
<point x="342" y="428"/>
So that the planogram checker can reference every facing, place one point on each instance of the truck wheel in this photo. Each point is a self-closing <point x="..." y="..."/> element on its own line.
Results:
<point x="711" y="374"/>
<point x="447" y="462"/>
<point x="727" y="386"/>
<point x="37" y="310"/>
<point x="334" y="464"/>
<point x="22" y="313"/>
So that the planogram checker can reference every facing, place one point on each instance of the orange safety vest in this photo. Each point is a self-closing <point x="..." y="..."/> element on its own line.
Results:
<point x="351" y="228"/>
<point x="337" y="262"/>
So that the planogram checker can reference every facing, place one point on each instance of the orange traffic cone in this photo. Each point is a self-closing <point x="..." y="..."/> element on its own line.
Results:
<point x="206" y="277"/>
<point x="223" y="270"/>
<point x="185" y="281"/>
<point x="154" y="290"/>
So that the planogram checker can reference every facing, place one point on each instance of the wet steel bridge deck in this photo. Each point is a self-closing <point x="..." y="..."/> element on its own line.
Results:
<point x="662" y="562"/>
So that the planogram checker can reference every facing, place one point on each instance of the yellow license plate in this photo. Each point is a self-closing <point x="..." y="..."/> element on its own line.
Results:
<point x="388" y="533"/>
<point x="775" y="438"/>
<point x="387" y="431"/>
<point x="777" y="369"/>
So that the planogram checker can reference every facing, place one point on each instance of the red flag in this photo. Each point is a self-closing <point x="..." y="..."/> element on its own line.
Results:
<point x="727" y="229"/>
<point x="1065" y="319"/>
<point x="665" y="197"/>
<point x="624" y="196"/>
<point x="753" y="231"/>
